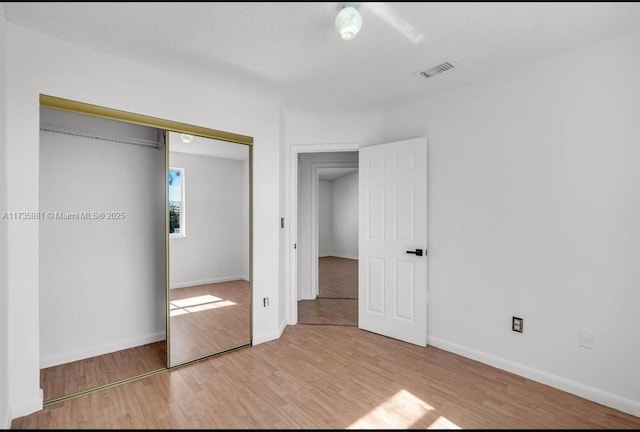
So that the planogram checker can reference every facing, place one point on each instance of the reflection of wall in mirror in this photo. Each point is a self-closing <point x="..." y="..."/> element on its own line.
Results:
<point x="216" y="245"/>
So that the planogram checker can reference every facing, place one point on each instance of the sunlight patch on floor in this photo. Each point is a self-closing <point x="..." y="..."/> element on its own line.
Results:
<point x="443" y="423"/>
<point x="197" y="304"/>
<point x="401" y="411"/>
<point x="198" y="300"/>
<point x="208" y="306"/>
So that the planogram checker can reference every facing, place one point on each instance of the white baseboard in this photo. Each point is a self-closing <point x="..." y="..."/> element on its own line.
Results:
<point x="66" y="357"/>
<point x="208" y="281"/>
<point x="27" y="407"/>
<point x="5" y="423"/>
<point x="344" y="256"/>
<point x="283" y="325"/>
<point x="625" y="405"/>
<point x="258" y="339"/>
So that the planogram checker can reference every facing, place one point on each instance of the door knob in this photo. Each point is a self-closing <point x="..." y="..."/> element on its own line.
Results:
<point x="417" y="252"/>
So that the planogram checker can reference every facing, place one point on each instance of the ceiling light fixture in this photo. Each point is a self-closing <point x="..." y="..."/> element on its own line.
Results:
<point x="348" y="21"/>
<point x="186" y="138"/>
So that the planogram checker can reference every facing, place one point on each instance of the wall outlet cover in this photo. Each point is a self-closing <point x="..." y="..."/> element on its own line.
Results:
<point x="585" y="338"/>
<point x="517" y="324"/>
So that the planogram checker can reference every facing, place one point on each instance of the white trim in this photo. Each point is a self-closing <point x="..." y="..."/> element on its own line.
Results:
<point x="67" y="357"/>
<point x="208" y="281"/>
<point x="626" y="405"/>
<point x="269" y="336"/>
<point x="5" y="423"/>
<point x="291" y="233"/>
<point x="342" y="256"/>
<point x="28" y="407"/>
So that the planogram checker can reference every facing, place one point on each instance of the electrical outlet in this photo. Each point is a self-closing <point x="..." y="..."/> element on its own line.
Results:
<point x="585" y="338"/>
<point x="265" y="302"/>
<point x="517" y="324"/>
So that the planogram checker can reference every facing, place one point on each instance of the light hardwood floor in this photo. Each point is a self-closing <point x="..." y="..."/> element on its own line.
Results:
<point x="328" y="311"/>
<point x="81" y="375"/>
<point x="337" y="301"/>
<point x="331" y="377"/>
<point x="208" y="319"/>
<point x="337" y="277"/>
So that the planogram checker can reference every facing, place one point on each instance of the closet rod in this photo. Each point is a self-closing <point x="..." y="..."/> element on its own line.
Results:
<point x="117" y="139"/>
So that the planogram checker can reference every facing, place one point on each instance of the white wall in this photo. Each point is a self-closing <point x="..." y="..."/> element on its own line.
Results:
<point x="325" y="225"/>
<point x="344" y="196"/>
<point x="102" y="281"/>
<point x="5" y="415"/>
<point x="41" y="64"/>
<point x="533" y="212"/>
<point x="214" y="248"/>
<point x="338" y="217"/>
<point x="307" y="127"/>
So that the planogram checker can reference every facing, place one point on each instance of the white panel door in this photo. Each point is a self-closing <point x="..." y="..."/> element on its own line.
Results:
<point x="392" y="274"/>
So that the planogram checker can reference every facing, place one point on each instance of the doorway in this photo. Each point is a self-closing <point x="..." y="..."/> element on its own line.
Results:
<point x="392" y="238"/>
<point x="334" y="227"/>
<point x="324" y="262"/>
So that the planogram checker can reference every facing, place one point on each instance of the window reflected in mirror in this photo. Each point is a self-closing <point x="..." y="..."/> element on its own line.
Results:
<point x="176" y="203"/>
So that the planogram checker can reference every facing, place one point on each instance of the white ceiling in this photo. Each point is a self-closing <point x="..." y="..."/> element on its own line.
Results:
<point x="330" y="174"/>
<point x="292" y="51"/>
<point x="208" y="147"/>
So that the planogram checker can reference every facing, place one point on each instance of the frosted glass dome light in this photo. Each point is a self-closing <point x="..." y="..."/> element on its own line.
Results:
<point x="348" y="22"/>
<point x="186" y="138"/>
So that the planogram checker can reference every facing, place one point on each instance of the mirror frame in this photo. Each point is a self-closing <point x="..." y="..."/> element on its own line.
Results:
<point x="167" y="126"/>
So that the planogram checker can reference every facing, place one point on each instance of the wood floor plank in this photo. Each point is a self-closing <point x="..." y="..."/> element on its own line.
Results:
<point x="331" y="377"/>
<point x="328" y="311"/>
<point x="337" y="277"/>
<point x="81" y="375"/>
<point x="211" y="326"/>
<point x="194" y="334"/>
<point x="337" y="301"/>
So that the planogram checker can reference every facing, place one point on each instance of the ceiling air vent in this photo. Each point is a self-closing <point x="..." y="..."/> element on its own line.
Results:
<point x="442" y="67"/>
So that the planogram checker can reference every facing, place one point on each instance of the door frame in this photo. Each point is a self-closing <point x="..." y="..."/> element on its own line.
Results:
<point x="291" y="234"/>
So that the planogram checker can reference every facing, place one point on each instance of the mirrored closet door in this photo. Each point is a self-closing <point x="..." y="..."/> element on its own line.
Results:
<point x="145" y="245"/>
<point x="209" y="246"/>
